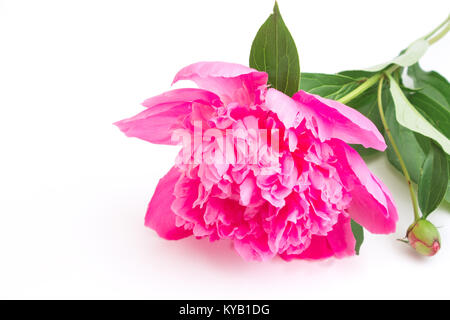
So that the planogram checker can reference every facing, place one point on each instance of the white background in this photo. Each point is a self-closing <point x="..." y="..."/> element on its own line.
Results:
<point x="74" y="189"/>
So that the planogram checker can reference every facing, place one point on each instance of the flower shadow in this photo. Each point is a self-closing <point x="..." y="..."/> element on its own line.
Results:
<point x="218" y="254"/>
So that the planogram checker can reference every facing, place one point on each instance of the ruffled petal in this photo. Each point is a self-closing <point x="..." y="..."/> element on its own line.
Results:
<point x="372" y="205"/>
<point x="159" y="216"/>
<point x="339" y="243"/>
<point x="318" y="249"/>
<point x="232" y="82"/>
<point x="253" y="248"/>
<point x="164" y="114"/>
<point x="332" y="119"/>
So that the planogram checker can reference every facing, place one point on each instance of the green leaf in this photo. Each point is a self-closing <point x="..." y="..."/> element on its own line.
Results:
<point x="431" y="84"/>
<point x="412" y="146"/>
<point x="433" y="180"/>
<point x="331" y="86"/>
<point x="408" y="57"/>
<point x="447" y="195"/>
<point x="360" y="75"/>
<point x="435" y="113"/>
<point x="358" y="233"/>
<point x="408" y="116"/>
<point x="274" y="51"/>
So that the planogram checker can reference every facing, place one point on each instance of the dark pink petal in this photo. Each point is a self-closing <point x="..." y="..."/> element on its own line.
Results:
<point x="232" y="82"/>
<point x="372" y="205"/>
<point x="333" y="119"/>
<point x="337" y="120"/>
<point x="318" y="249"/>
<point x="339" y="243"/>
<point x="164" y="114"/>
<point x="159" y="216"/>
<point x="341" y="239"/>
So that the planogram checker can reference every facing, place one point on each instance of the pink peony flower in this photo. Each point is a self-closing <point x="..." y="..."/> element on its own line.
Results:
<point x="272" y="173"/>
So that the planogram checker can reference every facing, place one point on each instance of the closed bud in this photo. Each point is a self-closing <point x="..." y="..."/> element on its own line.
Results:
<point x="424" y="237"/>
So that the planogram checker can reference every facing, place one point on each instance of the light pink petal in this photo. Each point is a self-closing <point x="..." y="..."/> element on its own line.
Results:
<point x="253" y="248"/>
<point x="232" y="82"/>
<point x="247" y="189"/>
<point x="333" y="119"/>
<point x="157" y="124"/>
<point x="184" y="95"/>
<point x="159" y="216"/>
<point x="287" y="110"/>
<point x="164" y="114"/>
<point x="372" y="205"/>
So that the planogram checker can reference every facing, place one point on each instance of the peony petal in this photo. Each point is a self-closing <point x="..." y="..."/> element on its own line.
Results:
<point x="341" y="239"/>
<point x="333" y="119"/>
<point x="159" y="216"/>
<point x="287" y="110"/>
<point x="287" y="214"/>
<point x="253" y="248"/>
<point x="336" y="120"/>
<point x="157" y="124"/>
<point x="164" y="114"/>
<point x="339" y="242"/>
<point x="318" y="249"/>
<point x="246" y="190"/>
<point x="372" y="205"/>
<point x="184" y="95"/>
<point x="232" y="82"/>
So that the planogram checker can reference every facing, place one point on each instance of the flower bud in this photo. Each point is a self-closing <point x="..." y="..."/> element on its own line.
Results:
<point x="424" y="237"/>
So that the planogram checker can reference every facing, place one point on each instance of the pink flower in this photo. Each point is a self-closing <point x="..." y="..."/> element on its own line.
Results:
<point x="273" y="174"/>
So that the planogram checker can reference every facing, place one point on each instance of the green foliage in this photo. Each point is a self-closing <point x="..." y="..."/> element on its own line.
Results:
<point x="418" y="118"/>
<point x="358" y="233"/>
<point x="423" y="122"/>
<point x="431" y="84"/>
<point x="433" y="180"/>
<point x="274" y="51"/>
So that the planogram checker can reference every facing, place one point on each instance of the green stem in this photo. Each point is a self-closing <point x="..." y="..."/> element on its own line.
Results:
<point x="376" y="77"/>
<point x="379" y="77"/>
<point x="397" y="152"/>
<point x="359" y="90"/>
<point x="366" y="85"/>
<point x="439" y="35"/>
<point x="438" y="27"/>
